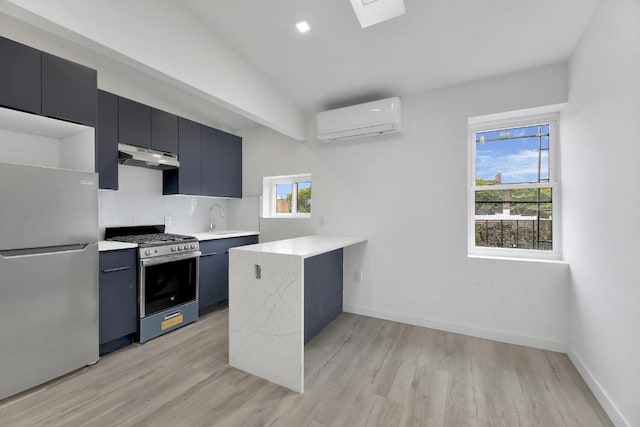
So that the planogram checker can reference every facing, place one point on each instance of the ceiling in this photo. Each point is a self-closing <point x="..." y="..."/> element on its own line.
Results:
<point x="437" y="43"/>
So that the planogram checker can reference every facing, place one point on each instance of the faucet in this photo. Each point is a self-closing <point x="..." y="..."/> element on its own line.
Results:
<point x="212" y="220"/>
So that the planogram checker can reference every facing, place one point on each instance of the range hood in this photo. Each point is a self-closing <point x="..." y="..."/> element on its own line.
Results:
<point x="144" y="157"/>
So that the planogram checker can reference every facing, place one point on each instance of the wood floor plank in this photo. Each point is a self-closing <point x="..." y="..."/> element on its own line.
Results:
<point x="359" y="371"/>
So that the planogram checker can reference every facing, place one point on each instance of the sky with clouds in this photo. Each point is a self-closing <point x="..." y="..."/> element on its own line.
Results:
<point x="514" y="153"/>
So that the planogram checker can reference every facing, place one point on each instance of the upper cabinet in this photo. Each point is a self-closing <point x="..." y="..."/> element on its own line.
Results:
<point x="36" y="82"/>
<point x="221" y="163"/>
<point x="107" y="140"/>
<point x="134" y="123"/>
<point x="187" y="179"/>
<point x="68" y="90"/>
<point x="233" y="166"/>
<point x="20" y="76"/>
<point x="212" y="161"/>
<point x="164" y="131"/>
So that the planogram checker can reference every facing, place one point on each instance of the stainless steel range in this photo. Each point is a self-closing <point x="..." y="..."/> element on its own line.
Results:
<point x="168" y="284"/>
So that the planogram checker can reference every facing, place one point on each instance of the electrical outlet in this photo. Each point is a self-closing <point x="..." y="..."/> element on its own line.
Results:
<point x="168" y="221"/>
<point x="322" y="220"/>
<point x="357" y="276"/>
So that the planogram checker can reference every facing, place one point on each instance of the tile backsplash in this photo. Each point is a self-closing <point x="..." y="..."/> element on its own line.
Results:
<point x="139" y="201"/>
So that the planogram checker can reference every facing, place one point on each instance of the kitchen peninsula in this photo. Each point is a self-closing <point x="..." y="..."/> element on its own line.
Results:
<point x="281" y="294"/>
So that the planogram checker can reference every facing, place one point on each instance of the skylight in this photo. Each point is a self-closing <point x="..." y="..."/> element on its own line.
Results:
<point x="371" y="12"/>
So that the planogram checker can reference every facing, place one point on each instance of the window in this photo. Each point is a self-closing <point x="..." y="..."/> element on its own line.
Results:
<point x="513" y="197"/>
<point x="287" y="196"/>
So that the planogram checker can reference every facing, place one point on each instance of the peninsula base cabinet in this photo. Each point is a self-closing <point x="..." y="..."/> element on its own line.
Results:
<point x="323" y="286"/>
<point x="118" y="300"/>
<point x="214" y="270"/>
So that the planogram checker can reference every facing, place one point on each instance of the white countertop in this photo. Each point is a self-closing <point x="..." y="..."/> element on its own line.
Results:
<point x="222" y="234"/>
<point x="108" y="245"/>
<point x="304" y="247"/>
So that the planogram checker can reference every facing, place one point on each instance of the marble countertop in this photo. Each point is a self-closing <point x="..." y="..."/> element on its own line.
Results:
<point x="108" y="245"/>
<point x="222" y="234"/>
<point x="304" y="247"/>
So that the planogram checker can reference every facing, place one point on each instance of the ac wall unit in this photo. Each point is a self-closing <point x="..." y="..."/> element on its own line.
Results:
<point x="368" y="119"/>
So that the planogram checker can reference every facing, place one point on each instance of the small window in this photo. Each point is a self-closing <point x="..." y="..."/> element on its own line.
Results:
<point x="513" y="209"/>
<point x="286" y="196"/>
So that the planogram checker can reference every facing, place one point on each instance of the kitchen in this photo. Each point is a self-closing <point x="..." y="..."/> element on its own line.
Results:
<point x="414" y="267"/>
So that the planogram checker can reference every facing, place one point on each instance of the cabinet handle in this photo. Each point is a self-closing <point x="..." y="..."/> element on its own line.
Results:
<point x="111" y="270"/>
<point x="209" y="254"/>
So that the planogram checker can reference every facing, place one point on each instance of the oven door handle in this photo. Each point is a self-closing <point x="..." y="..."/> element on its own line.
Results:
<point x="171" y="258"/>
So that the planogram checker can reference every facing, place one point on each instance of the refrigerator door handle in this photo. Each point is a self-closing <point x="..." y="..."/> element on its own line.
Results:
<point x="23" y="253"/>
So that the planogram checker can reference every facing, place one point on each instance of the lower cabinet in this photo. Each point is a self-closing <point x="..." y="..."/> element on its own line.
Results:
<point x="323" y="288"/>
<point x="214" y="270"/>
<point x="118" y="299"/>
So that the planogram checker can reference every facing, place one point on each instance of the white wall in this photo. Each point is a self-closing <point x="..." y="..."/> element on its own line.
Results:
<point x="600" y="155"/>
<point x="167" y="40"/>
<point x="139" y="201"/>
<point x="408" y="195"/>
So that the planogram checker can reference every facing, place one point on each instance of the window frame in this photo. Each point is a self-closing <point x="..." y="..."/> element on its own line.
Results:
<point x="475" y="127"/>
<point x="270" y="196"/>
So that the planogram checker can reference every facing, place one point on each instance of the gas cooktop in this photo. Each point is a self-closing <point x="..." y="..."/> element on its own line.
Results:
<point x="146" y="236"/>
<point x="158" y="239"/>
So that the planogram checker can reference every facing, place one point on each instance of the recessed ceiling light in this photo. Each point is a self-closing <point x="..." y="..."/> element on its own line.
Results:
<point x="303" y="26"/>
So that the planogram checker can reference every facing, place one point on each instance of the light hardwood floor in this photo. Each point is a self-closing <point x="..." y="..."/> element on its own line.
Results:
<point x="358" y="372"/>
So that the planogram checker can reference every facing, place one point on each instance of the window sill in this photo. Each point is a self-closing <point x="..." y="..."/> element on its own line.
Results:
<point x="507" y="258"/>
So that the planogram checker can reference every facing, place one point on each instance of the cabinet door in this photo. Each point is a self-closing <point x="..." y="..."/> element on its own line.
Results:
<point x="107" y="140"/>
<point x="20" y="77"/>
<point x="187" y="178"/>
<point x="164" y="131"/>
<point x="226" y="245"/>
<point x="213" y="162"/>
<point x="118" y="294"/>
<point x="213" y="274"/>
<point x="69" y="90"/>
<point x="233" y="166"/>
<point x="134" y="123"/>
<point x="322" y="291"/>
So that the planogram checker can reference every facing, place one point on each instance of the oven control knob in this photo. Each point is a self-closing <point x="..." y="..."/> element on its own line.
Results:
<point x="193" y="246"/>
<point x="173" y="249"/>
<point x="179" y="248"/>
<point x="147" y="252"/>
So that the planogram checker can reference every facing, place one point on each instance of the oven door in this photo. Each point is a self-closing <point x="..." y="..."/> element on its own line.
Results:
<point x="168" y="281"/>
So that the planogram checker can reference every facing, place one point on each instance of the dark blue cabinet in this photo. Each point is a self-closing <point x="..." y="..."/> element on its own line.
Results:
<point x="107" y="140"/>
<point x="213" y="159"/>
<point x="20" y="76"/>
<point x="134" y="123"/>
<point x="214" y="269"/>
<point x="233" y="166"/>
<point x="164" y="131"/>
<point x="118" y="299"/>
<point x="187" y="179"/>
<point x="44" y="84"/>
<point x="323" y="285"/>
<point x="221" y="163"/>
<point x="212" y="273"/>
<point x="69" y="90"/>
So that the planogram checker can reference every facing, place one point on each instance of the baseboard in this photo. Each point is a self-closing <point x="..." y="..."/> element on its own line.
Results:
<point x="603" y="398"/>
<point x="490" y="334"/>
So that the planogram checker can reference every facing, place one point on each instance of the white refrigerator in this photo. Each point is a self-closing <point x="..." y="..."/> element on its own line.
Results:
<point x="48" y="274"/>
